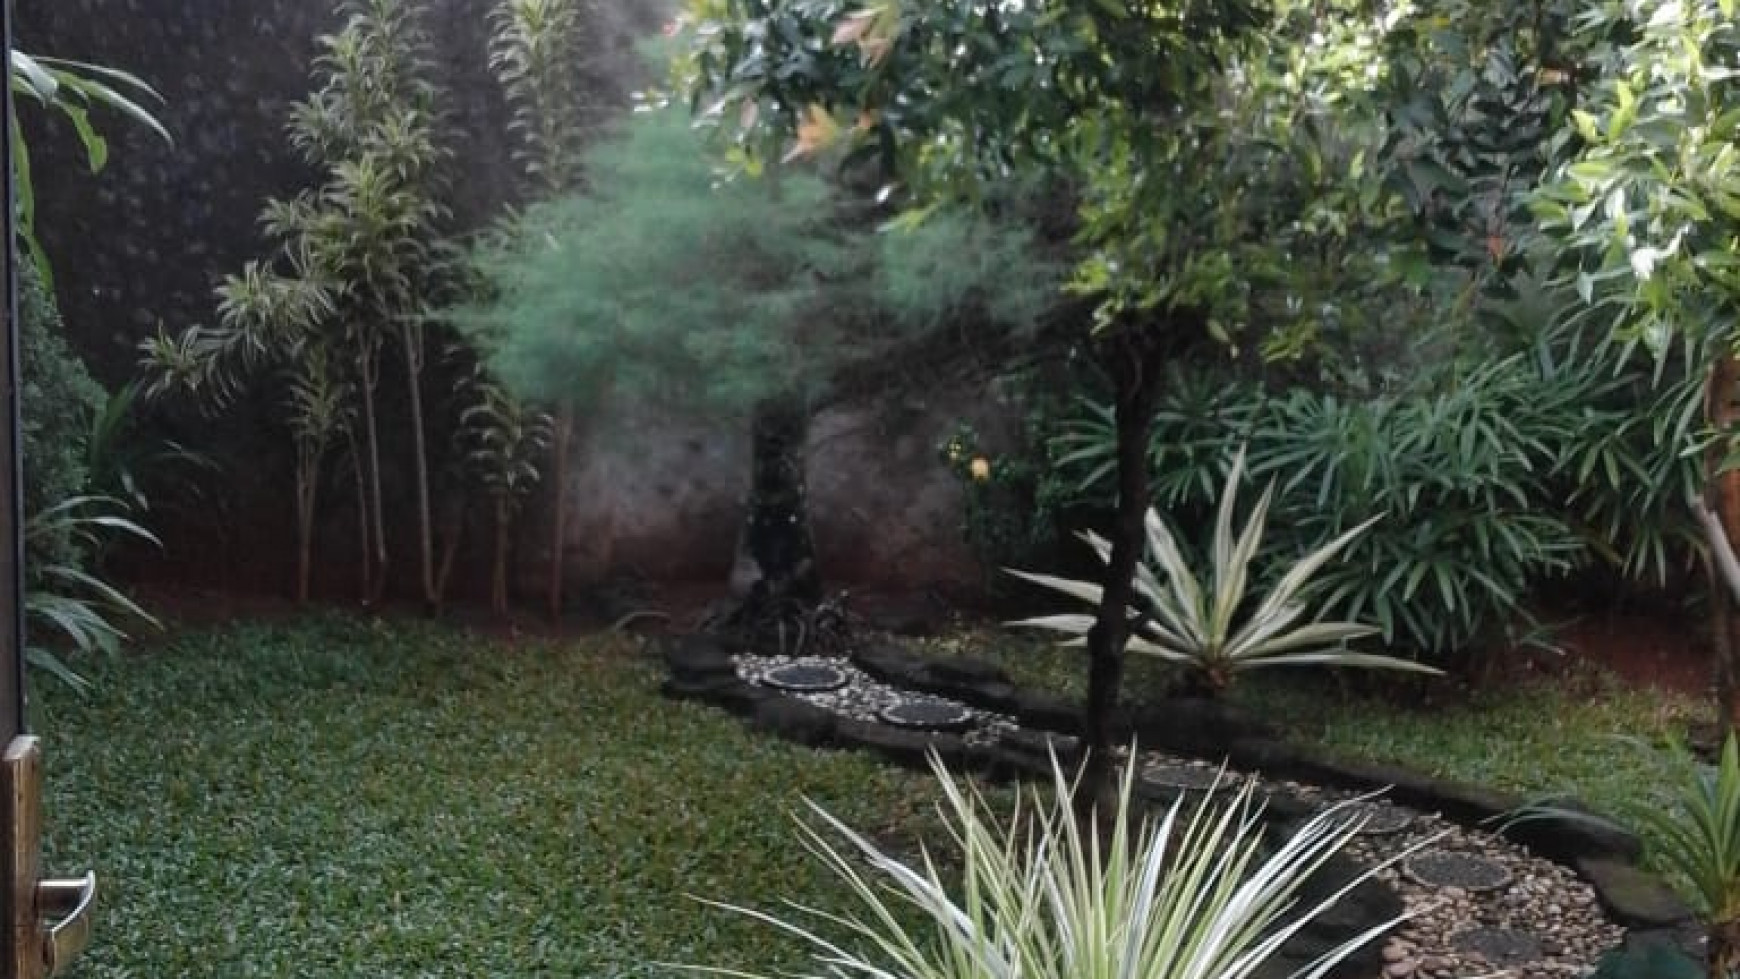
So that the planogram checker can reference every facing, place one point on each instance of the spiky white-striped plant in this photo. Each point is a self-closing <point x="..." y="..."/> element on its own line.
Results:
<point x="1192" y="894"/>
<point x="1204" y="628"/>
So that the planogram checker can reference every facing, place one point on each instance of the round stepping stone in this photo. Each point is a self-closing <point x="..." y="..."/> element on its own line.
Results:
<point x="927" y="715"/>
<point x="1440" y="868"/>
<point x="1500" y="947"/>
<point x="805" y="678"/>
<point x="1189" y="777"/>
<point x="1380" y="820"/>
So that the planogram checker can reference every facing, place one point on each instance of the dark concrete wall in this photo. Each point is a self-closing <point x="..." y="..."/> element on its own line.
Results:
<point x="142" y="245"/>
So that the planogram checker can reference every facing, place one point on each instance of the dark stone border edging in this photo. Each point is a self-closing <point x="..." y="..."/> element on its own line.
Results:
<point x="701" y="669"/>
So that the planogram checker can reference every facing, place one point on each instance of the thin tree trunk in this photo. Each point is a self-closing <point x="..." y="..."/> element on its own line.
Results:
<point x="412" y="338"/>
<point x="778" y="532"/>
<point x="1724" y="492"/>
<point x="1133" y="358"/>
<point x="366" y="584"/>
<point x="1722" y="955"/>
<point x="498" y="591"/>
<point x="370" y="370"/>
<point x="559" y="533"/>
<point x="307" y="496"/>
<point x="452" y="532"/>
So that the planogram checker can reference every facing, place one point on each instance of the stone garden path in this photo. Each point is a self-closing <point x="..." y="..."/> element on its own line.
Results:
<point x="1480" y="905"/>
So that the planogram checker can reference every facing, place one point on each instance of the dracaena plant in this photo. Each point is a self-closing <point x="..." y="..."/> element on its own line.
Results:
<point x="1209" y="627"/>
<point x="1195" y="891"/>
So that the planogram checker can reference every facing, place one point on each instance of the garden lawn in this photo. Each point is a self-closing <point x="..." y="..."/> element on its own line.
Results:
<point x="1582" y="733"/>
<point x="338" y="797"/>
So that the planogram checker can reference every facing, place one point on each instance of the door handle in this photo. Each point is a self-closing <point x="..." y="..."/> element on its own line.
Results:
<point x="48" y="921"/>
<point x="71" y="902"/>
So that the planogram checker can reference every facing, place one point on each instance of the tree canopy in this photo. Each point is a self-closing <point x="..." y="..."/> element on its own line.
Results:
<point x="667" y="281"/>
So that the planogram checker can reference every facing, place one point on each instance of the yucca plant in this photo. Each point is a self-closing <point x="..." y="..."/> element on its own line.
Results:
<point x="1196" y="892"/>
<point x="1208" y="630"/>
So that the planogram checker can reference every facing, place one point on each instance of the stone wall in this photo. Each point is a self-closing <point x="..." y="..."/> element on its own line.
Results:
<point x="141" y="246"/>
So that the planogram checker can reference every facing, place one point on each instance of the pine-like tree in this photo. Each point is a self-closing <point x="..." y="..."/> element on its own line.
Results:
<point x="757" y="300"/>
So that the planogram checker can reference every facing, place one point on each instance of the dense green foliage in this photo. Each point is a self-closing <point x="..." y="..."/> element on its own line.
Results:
<point x="1491" y="477"/>
<point x="1648" y="203"/>
<point x="727" y="292"/>
<point x="58" y="400"/>
<point x="68" y="518"/>
<point x="535" y="52"/>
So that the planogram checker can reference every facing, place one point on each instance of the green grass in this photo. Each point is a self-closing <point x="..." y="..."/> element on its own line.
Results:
<point x="1571" y="735"/>
<point x="334" y="797"/>
<point x="1566" y="735"/>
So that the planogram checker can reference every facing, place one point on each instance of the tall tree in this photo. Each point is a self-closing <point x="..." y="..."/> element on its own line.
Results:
<point x="1642" y="213"/>
<point x="738" y="299"/>
<point x="1224" y="155"/>
<point x="536" y="54"/>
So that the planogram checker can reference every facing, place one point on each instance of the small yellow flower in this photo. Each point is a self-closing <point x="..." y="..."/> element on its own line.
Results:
<point x="981" y="469"/>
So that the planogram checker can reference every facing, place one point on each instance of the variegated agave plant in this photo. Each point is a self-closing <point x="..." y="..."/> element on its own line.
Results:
<point x="1201" y="628"/>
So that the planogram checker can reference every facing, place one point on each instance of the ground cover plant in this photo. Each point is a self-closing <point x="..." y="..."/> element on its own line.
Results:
<point x="1570" y="733"/>
<point x="333" y="796"/>
<point x="394" y="798"/>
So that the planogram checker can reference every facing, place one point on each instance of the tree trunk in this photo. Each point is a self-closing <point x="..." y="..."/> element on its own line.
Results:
<point x="366" y="583"/>
<point x="1722" y="649"/>
<point x="1724" y="501"/>
<point x="307" y="496"/>
<point x="778" y="537"/>
<point x="1133" y="358"/>
<point x="559" y="533"/>
<point x="452" y="532"/>
<point x="411" y="337"/>
<point x="1722" y="955"/>
<point x="498" y="582"/>
<point x="377" y="586"/>
<point x="777" y="556"/>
